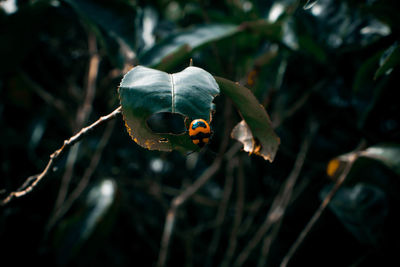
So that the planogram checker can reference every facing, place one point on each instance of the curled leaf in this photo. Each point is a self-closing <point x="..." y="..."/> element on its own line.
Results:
<point x="242" y="133"/>
<point x="386" y="154"/>
<point x="255" y="131"/>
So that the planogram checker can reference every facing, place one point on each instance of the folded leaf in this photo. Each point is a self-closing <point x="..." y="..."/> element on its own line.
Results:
<point x="255" y="131"/>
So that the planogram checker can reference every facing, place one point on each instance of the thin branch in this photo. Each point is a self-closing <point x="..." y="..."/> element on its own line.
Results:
<point x="253" y="209"/>
<point x="179" y="201"/>
<point x="238" y="216"/>
<point x="84" y="181"/>
<point x="287" y="195"/>
<point x="279" y="205"/>
<point x="321" y="209"/>
<point x="34" y="180"/>
<point x="194" y="188"/>
<point x="81" y="116"/>
<point x="92" y="73"/>
<point x="47" y="97"/>
<point x="222" y="209"/>
<point x="280" y="117"/>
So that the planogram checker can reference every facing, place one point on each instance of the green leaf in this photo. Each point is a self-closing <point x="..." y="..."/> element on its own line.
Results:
<point x="387" y="154"/>
<point x="113" y="25"/>
<point x="312" y="48"/>
<point x="255" y="132"/>
<point x="20" y="32"/>
<point x="272" y="31"/>
<point x="80" y="234"/>
<point x="145" y="92"/>
<point x="389" y="59"/>
<point x="178" y="46"/>
<point x="362" y="209"/>
<point x="363" y="78"/>
<point x="366" y="91"/>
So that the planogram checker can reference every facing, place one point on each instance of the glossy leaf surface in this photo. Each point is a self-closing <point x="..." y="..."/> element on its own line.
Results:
<point x="145" y="92"/>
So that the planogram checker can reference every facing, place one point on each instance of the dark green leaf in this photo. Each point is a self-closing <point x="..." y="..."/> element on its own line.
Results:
<point x="82" y="230"/>
<point x="272" y="31"/>
<point x="389" y="59"/>
<point x="178" y="46"/>
<point x="145" y="92"/>
<point x="362" y="209"/>
<point x="308" y="45"/>
<point x="146" y="22"/>
<point x="387" y="154"/>
<point x="116" y="20"/>
<point x="20" y="33"/>
<point x="255" y="132"/>
<point x="363" y="78"/>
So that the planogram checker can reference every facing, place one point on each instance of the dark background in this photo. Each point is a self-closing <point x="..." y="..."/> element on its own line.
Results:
<point x="316" y="76"/>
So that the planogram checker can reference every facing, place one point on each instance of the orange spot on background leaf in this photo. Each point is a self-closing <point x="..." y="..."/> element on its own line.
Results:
<point x="332" y="167"/>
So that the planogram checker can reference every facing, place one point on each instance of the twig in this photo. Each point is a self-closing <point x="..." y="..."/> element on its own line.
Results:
<point x="287" y="195"/>
<point x="238" y="217"/>
<point x="321" y="208"/>
<point x="81" y="117"/>
<point x="47" y="97"/>
<point x="177" y="202"/>
<point x="84" y="181"/>
<point x="253" y="208"/>
<point x="279" y="205"/>
<point x="145" y="184"/>
<point x="222" y="209"/>
<point x="34" y="180"/>
<point x="93" y="70"/>
<point x="192" y="189"/>
<point x="279" y="118"/>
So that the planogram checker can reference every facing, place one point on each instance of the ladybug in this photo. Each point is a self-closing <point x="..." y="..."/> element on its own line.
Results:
<point x="200" y="132"/>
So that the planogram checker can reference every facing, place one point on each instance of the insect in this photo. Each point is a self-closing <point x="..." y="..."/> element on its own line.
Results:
<point x="200" y="132"/>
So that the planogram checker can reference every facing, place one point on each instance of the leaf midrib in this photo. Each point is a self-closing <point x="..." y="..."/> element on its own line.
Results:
<point x="172" y="93"/>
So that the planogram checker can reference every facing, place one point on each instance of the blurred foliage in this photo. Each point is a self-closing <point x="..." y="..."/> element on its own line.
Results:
<point x="330" y="63"/>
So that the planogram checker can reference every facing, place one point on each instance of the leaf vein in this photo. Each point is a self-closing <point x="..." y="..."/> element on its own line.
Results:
<point x="172" y="93"/>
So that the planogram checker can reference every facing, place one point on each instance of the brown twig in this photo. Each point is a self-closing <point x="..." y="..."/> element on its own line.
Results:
<point x="82" y="116"/>
<point x="222" y="209"/>
<point x="192" y="189"/>
<point x="322" y="207"/>
<point x="84" y="181"/>
<point x="253" y="209"/>
<point x="179" y="201"/>
<point x="287" y="195"/>
<point x="47" y="97"/>
<point x="238" y="216"/>
<point x="279" y="205"/>
<point x="92" y="73"/>
<point x="32" y="181"/>
<point x="279" y="117"/>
